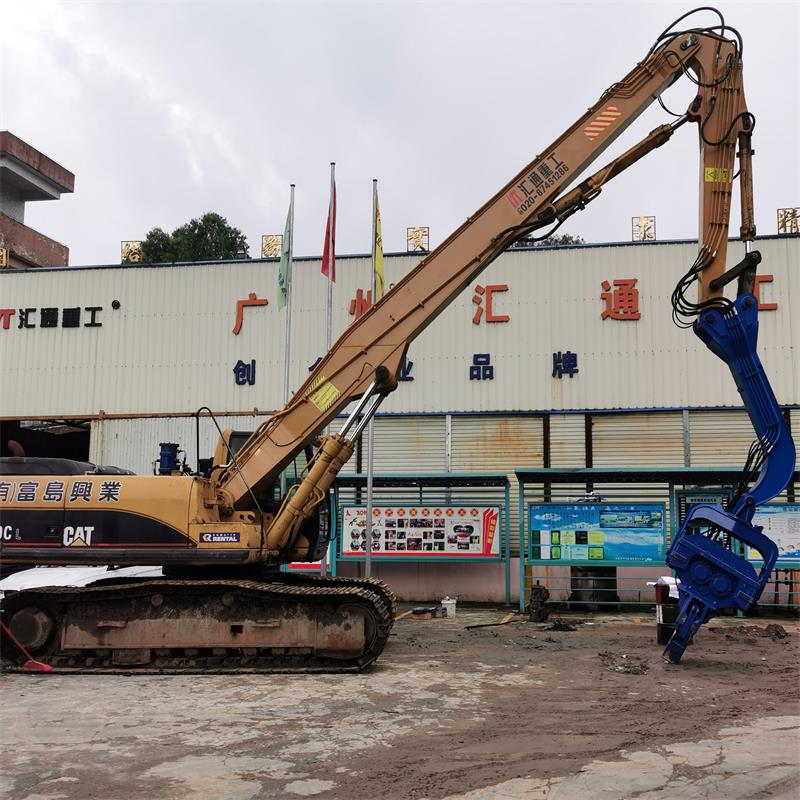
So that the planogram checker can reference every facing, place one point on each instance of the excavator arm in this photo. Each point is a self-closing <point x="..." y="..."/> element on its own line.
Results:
<point x="527" y="202"/>
<point x="366" y="359"/>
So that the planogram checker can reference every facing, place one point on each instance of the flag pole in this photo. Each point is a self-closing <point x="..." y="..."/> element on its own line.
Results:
<point x="288" y="301"/>
<point x="331" y="256"/>
<point x="323" y="567"/>
<point x="370" y="431"/>
<point x="285" y="299"/>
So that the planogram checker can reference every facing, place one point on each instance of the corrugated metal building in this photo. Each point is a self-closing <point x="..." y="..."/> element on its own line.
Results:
<point x="137" y="349"/>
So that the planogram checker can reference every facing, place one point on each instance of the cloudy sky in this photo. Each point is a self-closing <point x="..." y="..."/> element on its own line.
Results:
<point x="165" y="110"/>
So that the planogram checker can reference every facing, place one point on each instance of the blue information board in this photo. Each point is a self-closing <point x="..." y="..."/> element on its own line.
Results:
<point x="615" y="534"/>
<point x="782" y="524"/>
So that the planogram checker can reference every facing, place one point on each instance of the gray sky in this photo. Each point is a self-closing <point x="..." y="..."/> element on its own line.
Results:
<point x="166" y="110"/>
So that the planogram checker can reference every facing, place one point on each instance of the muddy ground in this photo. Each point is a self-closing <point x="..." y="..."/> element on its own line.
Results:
<point x="445" y="711"/>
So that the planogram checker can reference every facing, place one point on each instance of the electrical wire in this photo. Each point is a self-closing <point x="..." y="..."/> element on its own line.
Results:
<point x="756" y="456"/>
<point x="684" y="309"/>
<point x="548" y="234"/>
<point x="661" y="103"/>
<point x="521" y="232"/>
<point x="752" y="466"/>
<point x="697" y="81"/>
<point x="669" y="33"/>
<point x="742" y="115"/>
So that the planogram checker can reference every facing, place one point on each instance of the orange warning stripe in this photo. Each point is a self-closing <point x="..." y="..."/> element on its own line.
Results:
<point x="607" y="117"/>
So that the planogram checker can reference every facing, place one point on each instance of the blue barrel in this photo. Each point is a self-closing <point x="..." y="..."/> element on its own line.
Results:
<point x="168" y="458"/>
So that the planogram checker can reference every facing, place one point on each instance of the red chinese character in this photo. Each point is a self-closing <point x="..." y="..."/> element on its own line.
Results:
<point x="757" y="293"/>
<point x="486" y="292"/>
<point x="359" y="305"/>
<point x="252" y="300"/>
<point x="514" y="197"/>
<point x="623" y="302"/>
<point x="5" y="316"/>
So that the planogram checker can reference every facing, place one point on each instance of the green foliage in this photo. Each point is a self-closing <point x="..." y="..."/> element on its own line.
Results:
<point x="206" y="239"/>
<point x="157" y="247"/>
<point x="561" y="239"/>
<point x="550" y="241"/>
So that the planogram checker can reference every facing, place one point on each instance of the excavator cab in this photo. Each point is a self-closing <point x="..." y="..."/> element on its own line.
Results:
<point x="314" y="534"/>
<point x="271" y="497"/>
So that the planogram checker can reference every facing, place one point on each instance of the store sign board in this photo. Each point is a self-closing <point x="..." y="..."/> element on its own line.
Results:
<point x="436" y="532"/>
<point x="597" y="533"/>
<point x="781" y="523"/>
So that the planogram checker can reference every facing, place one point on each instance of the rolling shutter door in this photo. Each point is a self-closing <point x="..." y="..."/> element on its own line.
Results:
<point x="488" y="443"/>
<point x="567" y="449"/>
<point x="719" y="438"/>
<point x="637" y="440"/>
<point x="403" y="444"/>
<point x="408" y="444"/>
<point x="567" y="440"/>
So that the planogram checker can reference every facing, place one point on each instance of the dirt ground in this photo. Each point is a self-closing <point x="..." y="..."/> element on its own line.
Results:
<point x="446" y="711"/>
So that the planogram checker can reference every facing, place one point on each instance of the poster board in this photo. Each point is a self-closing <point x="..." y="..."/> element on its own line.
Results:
<point x="422" y="533"/>
<point x="781" y="523"/>
<point x="601" y="534"/>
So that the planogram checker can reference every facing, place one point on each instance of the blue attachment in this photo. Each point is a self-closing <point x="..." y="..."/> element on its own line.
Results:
<point x="167" y="458"/>
<point x="711" y="576"/>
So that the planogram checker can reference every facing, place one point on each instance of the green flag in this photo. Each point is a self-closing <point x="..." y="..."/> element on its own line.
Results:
<point x="378" y="251"/>
<point x="283" y="272"/>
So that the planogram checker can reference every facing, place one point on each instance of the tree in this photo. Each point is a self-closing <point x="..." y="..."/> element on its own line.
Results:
<point x="206" y="239"/>
<point x="560" y="239"/>
<point x="551" y="241"/>
<point x="157" y="247"/>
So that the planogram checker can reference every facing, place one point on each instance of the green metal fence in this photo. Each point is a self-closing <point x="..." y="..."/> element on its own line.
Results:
<point x="613" y="583"/>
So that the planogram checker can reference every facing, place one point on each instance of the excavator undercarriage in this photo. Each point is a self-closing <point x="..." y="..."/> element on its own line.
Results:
<point x="293" y="623"/>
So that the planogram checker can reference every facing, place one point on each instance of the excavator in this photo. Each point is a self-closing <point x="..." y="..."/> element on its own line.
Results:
<point x="223" y="603"/>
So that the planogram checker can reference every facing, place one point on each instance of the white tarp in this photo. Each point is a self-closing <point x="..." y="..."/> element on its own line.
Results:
<point x="664" y="580"/>
<point x="71" y="576"/>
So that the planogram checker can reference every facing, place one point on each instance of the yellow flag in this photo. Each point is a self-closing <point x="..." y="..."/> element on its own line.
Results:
<point x="378" y="245"/>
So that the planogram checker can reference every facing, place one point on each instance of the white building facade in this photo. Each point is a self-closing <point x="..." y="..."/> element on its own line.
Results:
<point x="553" y="357"/>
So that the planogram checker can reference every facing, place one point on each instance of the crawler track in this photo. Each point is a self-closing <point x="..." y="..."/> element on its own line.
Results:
<point x="292" y="624"/>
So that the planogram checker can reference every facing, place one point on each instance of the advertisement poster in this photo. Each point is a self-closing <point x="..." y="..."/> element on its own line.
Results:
<point x="601" y="532"/>
<point x="423" y="531"/>
<point x="781" y="523"/>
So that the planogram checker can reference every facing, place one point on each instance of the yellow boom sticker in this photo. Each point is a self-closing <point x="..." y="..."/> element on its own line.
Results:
<point x="323" y="394"/>
<point x="718" y="175"/>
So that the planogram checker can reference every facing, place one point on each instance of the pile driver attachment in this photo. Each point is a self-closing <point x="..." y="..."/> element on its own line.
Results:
<point x="713" y="577"/>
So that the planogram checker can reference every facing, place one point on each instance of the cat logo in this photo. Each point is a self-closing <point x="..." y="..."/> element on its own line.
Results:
<point x="78" y="536"/>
